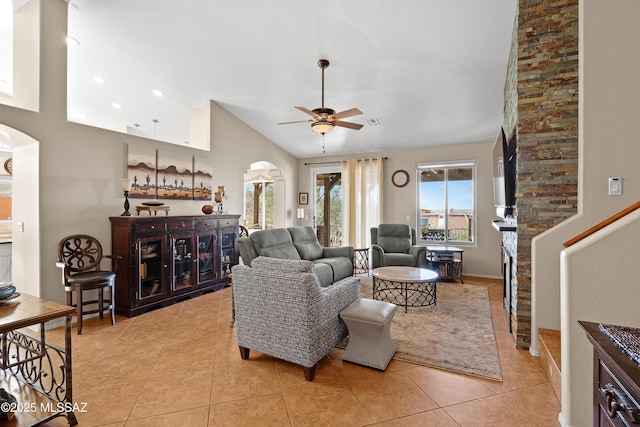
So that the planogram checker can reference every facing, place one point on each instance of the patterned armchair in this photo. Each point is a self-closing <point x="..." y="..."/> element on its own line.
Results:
<point x="281" y="310"/>
<point x="395" y="244"/>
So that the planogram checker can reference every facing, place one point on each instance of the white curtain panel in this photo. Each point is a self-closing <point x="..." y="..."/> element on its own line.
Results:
<point x="361" y="200"/>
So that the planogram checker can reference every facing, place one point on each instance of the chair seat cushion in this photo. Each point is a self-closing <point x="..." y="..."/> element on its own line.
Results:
<point x="399" y="259"/>
<point x="342" y="267"/>
<point x="324" y="272"/>
<point x="91" y="277"/>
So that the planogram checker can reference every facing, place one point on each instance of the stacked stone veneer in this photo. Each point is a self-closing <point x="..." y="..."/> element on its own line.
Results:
<point x="541" y="112"/>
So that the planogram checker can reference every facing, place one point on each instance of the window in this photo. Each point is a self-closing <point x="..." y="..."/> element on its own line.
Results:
<point x="258" y="208"/>
<point x="446" y="202"/>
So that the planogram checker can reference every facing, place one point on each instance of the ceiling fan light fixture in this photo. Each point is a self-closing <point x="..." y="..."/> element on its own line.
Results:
<point x="322" y="127"/>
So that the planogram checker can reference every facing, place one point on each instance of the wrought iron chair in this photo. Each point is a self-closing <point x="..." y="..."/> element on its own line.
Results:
<point x="79" y="258"/>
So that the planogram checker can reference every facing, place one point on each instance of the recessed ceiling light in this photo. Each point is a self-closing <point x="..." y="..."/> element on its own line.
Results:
<point x="72" y="42"/>
<point x="157" y="92"/>
<point x="98" y="79"/>
<point x="116" y="105"/>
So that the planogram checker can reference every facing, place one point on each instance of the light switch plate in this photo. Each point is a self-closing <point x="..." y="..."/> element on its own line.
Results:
<point x="615" y="186"/>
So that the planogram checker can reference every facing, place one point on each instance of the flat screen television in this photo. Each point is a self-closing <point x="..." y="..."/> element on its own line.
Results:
<point x="504" y="175"/>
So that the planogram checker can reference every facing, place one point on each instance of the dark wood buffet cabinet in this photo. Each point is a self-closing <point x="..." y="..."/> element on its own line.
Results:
<point x="168" y="258"/>
<point x="616" y="381"/>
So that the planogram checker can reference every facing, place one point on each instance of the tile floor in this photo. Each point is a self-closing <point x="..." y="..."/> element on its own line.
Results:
<point x="180" y="366"/>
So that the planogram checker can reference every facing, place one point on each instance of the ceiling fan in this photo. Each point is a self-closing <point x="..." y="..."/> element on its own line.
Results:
<point x="325" y="119"/>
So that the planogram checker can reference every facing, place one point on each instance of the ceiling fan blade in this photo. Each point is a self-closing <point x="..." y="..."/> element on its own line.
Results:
<point x="354" y="126"/>
<point x="309" y="112"/>
<point x="347" y="113"/>
<point x="297" y="121"/>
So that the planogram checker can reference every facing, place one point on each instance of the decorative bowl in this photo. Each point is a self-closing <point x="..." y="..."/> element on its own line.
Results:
<point x="6" y="291"/>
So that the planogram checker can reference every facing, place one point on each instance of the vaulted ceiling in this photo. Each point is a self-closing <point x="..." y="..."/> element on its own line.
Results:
<point x="423" y="72"/>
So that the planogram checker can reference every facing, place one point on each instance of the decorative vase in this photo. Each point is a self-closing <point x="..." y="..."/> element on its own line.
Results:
<point x="207" y="209"/>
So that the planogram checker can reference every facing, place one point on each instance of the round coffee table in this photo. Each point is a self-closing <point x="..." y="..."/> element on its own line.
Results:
<point x="405" y="286"/>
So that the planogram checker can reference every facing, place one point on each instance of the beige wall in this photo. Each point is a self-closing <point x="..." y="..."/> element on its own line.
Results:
<point x="590" y="281"/>
<point x="482" y="259"/>
<point x="78" y="177"/>
<point x="602" y="291"/>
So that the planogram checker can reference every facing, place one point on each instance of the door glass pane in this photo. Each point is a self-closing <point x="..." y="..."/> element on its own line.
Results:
<point x="432" y="204"/>
<point x="460" y="204"/>
<point x="328" y="209"/>
<point x="206" y="256"/>
<point x="150" y="269"/>
<point x="182" y="263"/>
<point x="227" y="240"/>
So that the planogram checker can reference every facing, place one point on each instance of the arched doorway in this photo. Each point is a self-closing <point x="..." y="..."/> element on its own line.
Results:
<point x="264" y="201"/>
<point x="24" y="222"/>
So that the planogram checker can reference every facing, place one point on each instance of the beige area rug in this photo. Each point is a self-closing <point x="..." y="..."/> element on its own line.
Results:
<point x="456" y="334"/>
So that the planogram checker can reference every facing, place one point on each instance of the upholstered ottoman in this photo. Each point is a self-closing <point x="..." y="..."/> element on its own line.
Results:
<point x="369" y="323"/>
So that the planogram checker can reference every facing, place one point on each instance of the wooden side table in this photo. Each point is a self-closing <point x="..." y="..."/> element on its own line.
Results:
<point x="360" y="261"/>
<point x="446" y="260"/>
<point x="23" y="354"/>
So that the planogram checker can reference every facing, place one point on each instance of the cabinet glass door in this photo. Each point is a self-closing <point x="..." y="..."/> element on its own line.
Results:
<point x="206" y="257"/>
<point x="150" y="268"/>
<point x="227" y="251"/>
<point x="182" y="263"/>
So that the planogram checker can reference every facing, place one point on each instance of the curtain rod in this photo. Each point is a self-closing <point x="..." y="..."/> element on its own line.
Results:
<point x="332" y="163"/>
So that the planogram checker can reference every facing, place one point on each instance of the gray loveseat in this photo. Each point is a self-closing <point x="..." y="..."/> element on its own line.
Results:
<point x="299" y="243"/>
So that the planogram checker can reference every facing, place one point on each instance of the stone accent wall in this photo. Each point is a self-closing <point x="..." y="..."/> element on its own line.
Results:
<point x="510" y="238"/>
<point x="546" y="128"/>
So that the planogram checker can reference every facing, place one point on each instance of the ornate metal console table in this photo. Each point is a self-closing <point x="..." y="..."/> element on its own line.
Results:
<point x="29" y="363"/>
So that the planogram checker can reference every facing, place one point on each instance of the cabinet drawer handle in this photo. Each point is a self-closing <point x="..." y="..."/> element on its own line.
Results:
<point x="616" y="402"/>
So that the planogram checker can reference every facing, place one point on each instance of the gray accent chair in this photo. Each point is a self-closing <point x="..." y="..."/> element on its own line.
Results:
<point x="299" y="243"/>
<point x="395" y="245"/>
<point x="281" y="310"/>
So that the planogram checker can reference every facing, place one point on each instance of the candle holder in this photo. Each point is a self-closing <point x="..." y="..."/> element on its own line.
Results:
<point x="126" y="187"/>
<point x="219" y="196"/>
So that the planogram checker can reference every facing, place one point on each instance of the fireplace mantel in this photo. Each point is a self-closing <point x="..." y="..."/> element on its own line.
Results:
<point x="502" y="225"/>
